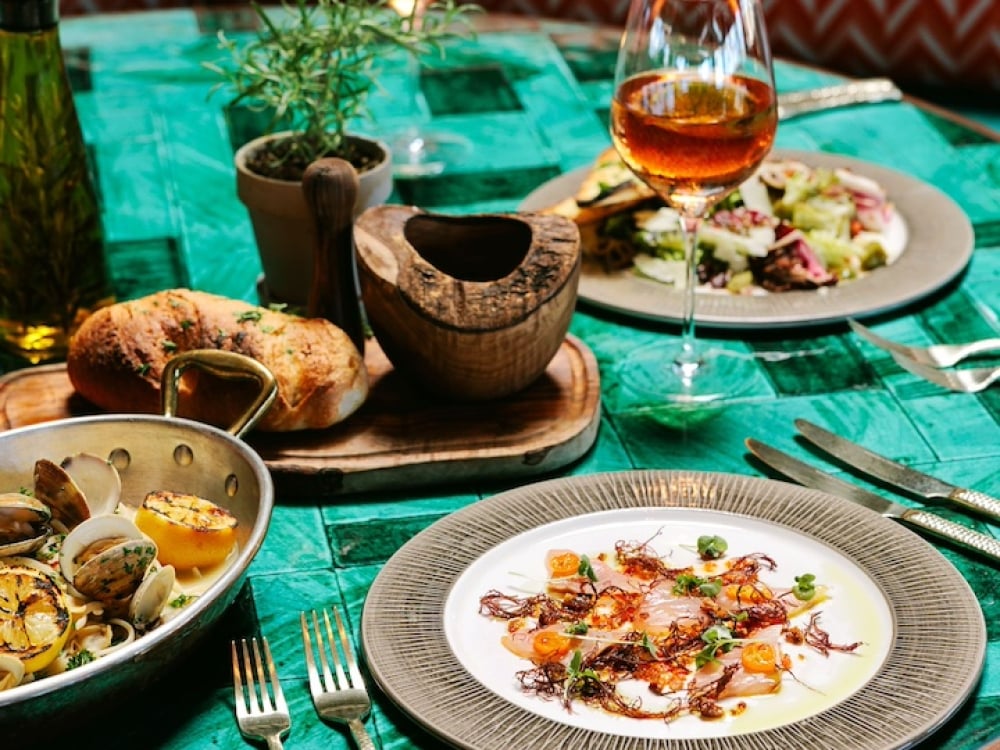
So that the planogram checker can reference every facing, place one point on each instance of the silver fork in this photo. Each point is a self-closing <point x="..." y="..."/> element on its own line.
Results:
<point x="938" y="355"/>
<point x="258" y="717"/>
<point x="344" y="699"/>
<point x="965" y="381"/>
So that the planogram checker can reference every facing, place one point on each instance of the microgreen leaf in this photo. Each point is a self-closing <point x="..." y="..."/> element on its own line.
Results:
<point x="805" y="587"/>
<point x="586" y="569"/>
<point x="719" y="638"/>
<point x="712" y="547"/>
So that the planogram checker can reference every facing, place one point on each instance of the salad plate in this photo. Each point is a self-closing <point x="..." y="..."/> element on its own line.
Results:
<point x="432" y="652"/>
<point x="939" y="241"/>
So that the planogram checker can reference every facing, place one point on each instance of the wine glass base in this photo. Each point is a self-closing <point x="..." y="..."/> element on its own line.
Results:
<point x="654" y="373"/>
<point x="420" y="153"/>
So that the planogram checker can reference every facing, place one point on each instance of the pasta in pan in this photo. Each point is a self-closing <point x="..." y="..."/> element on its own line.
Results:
<point x="83" y="573"/>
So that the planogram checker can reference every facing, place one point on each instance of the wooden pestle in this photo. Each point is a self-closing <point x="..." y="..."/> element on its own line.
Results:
<point x="331" y="189"/>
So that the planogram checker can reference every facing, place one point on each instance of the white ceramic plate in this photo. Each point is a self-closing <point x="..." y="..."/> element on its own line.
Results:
<point x="939" y="245"/>
<point x="432" y="654"/>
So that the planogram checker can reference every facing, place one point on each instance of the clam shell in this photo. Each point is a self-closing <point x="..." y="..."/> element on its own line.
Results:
<point x="151" y="597"/>
<point x="23" y="524"/>
<point x="11" y="671"/>
<point x="106" y="557"/>
<point x="56" y="488"/>
<point x="97" y="479"/>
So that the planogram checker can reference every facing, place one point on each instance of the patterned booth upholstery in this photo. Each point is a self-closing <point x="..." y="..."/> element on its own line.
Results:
<point x="921" y="44"/>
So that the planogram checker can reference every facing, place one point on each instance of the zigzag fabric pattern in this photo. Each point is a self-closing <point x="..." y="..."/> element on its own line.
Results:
<point x="927" y="43"/>
<point x="923" y="42"/>
<point x="918" y="42"/>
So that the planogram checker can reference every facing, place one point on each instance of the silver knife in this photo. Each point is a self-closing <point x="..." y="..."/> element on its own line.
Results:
<point x="863" y="91"/>
<point x="810" y="476"/>
<point x="896" y="474"/>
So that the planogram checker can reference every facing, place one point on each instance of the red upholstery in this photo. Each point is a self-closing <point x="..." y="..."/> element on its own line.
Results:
<point x="921" y="43"/>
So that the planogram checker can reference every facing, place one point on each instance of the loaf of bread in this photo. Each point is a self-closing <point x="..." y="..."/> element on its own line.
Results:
<point x="116" y="360"/>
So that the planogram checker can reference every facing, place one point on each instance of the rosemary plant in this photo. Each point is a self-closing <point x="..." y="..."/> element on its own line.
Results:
<point x="316" y="64"/>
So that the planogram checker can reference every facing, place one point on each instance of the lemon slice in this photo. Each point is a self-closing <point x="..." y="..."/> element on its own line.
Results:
<point x="190" y="531"/>
<point x="34" y="617"/>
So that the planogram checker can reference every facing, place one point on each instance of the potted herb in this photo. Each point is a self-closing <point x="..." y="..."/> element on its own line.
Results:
<point x="310" y="69"/>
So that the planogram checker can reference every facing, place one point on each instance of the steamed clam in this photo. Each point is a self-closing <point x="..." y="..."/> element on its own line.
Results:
<point x="113" y="578"/>
<point x="78" y="488"/>
<point x="106" y="558"/>
<point x="24" y="524"/>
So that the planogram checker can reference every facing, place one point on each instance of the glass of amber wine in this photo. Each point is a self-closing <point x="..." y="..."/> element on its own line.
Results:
<point x="693" y="115"/>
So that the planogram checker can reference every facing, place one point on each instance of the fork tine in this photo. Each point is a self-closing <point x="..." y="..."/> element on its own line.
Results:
<point x="271" y="676"/>
<point x="279" y="694"/>
<point x="253" y="702"/>
<point x="241" y="706"/>
<point x="342" y="681"/>
<point x="352" y="665"/>
<point x="265" y="699"/>
<point x="964" y="381"/>
<point x="314" y="683"/>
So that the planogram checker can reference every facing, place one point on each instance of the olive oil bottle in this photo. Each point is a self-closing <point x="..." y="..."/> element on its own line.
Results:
<point x="53" y="267"/>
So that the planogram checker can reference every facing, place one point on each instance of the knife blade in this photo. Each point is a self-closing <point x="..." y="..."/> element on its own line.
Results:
<point x="869" y="90"/>
<point x="809" y="476"/>
<point x="897" y="474"/>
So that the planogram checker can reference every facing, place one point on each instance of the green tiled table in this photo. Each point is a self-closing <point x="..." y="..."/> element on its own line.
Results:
<point x="533" y="99"/>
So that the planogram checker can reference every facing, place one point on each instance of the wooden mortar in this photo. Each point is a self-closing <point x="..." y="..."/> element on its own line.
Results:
<point x="469" y="307"/>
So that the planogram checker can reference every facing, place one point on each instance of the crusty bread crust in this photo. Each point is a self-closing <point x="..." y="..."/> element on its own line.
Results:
<point x="116" y="360"/>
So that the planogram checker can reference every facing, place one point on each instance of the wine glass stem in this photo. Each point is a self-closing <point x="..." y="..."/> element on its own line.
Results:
<point x="688" y="359"/>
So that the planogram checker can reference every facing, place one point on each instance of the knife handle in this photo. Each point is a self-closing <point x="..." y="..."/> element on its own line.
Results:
<point x="954" y="532"/>
<point x="976" y="501"/>
<point x="871" y="90"/>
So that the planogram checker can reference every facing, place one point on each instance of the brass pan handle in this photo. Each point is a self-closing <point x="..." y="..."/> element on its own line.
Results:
<point x="225" y="365"/>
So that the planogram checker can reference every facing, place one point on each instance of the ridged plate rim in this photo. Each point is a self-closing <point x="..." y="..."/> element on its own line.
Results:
<point x="939" y="247"/>
<point x="927" y="677"/>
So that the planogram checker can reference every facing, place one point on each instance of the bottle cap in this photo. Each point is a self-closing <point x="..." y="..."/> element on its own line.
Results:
<point x="28" y="15"/>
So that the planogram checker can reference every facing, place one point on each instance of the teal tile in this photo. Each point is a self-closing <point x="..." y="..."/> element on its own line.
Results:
<point x="590" y="57"/>
<point x="374" y="541"/>
<point x="447" y="190"/>
<point x="972" y="726"/>
<point x="77" y="61"/>
<point x="825" y="365"/>
<point x="465" y="91"/>
<point x="146" y="266"/>
<point x="295" y="541"/>
<point x="987" y="234"/>
<point x="955" y="134"/>
<point x="279" y="600"/>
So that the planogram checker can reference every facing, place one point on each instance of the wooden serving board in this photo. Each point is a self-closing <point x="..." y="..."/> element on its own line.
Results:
<point x="400" y="438"/>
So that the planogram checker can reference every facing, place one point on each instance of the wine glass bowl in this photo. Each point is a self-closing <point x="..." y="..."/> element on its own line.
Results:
<point x="693" y="115"/>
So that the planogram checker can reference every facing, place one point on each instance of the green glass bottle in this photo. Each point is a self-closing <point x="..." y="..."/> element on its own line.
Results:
<point x="53" y="267"/>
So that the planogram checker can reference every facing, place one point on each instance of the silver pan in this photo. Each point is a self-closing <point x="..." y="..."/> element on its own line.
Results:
<point x="151" y="452"/>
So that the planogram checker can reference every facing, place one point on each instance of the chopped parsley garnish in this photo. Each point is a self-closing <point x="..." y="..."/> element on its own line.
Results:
<point x="169" y="346"/>
<point x="80" y="658"/>
<point x="250" y="316"/>
<point x="577" y="628"/>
